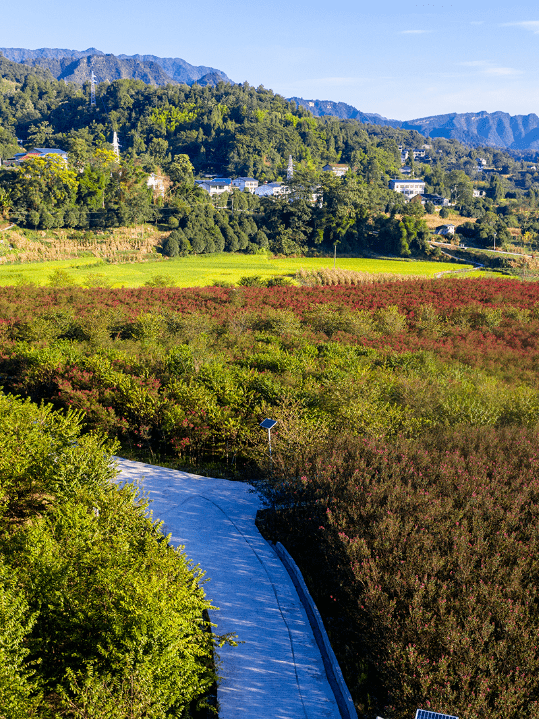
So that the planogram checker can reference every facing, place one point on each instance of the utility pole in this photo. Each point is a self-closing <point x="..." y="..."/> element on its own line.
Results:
<point x="93" y="80"/>
<point x="269" y="424"/>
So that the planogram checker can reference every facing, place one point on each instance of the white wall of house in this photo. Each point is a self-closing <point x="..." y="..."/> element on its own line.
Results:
<point x="245" y="183"/>
<point x="408" y="188"/>
<point x="271" y="189"/>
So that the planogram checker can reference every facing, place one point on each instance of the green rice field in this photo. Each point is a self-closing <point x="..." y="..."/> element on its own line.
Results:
<point x="203" y="270"/>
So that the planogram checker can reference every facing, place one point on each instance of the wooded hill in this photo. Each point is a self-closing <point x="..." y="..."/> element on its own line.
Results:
<point x="238" y="130"/>
<point x="492" y="129"/>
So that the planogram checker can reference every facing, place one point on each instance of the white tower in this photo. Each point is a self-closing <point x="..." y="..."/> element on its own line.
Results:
<point x="290" y="168"/>
<point x="115" y="145"/>
<point x="93" y="80"/>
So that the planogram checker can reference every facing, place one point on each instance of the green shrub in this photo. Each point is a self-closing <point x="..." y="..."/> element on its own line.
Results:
<point x="97" y="611"/>
<point x="251" y="281"/>
<point x="160" y="281"/>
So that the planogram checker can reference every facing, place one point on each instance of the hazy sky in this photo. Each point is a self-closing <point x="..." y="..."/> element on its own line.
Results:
<point x="400" y="59"/>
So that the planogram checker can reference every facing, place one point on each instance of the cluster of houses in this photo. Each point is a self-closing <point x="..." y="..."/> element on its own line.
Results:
<point x="420" y="153"/>
<point x="219" y="185"/>
<point x="20" y="157"/>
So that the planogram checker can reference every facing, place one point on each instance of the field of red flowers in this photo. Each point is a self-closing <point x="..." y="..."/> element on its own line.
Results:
<point x="405" y="463"/>
<point x="445" y="295"/>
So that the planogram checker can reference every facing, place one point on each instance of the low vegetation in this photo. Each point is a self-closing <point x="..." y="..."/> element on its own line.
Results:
<point x="404" y="459"/>
<point x="99" y="615"/>
<point x="199" y="271"/>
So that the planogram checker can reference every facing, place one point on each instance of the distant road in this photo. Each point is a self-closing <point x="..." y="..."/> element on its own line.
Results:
<point x="462" y="247"/>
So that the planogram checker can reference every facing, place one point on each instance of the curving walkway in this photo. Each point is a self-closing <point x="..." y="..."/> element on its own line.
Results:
<point x="277" y="673"/>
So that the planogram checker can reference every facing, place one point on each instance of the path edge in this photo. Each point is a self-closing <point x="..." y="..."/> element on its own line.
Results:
<point x="331" y="665"/>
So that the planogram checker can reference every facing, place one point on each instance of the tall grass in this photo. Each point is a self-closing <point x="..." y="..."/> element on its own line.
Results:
<point x="327" y="276"/>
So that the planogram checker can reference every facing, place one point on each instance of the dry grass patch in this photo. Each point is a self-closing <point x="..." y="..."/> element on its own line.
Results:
<point x="434" y="221"/>
<point x="322" y="277"/>
<point x="124" y="244"/>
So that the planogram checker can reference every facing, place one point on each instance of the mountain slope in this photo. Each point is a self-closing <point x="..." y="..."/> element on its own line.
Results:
<point x="21" y="54"/>
<point x="494" y="129"/>
<point x="179" y="69"/>
<point x="77" y="65"/>
<point x="16" y="72"/>
<point x="321" y="108"/>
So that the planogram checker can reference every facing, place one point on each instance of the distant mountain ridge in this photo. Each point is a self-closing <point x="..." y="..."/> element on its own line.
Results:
<point x="78" y="65"/>
<point x="320" y="108"/>
<point x="493" y="129"/>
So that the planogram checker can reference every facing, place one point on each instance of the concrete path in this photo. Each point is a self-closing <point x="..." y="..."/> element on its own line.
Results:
<point x="277" y="673"/>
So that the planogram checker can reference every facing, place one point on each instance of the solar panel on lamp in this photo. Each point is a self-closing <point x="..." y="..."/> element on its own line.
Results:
<point x="268" y="423"/>
<point x="425" y="714"/>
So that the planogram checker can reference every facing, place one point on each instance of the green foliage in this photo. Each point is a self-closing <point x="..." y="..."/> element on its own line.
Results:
<point x="159" y="281"/>
<point x="60" y="278"/>
<point x="18" y="689"/>
<point x="98" y="613"/>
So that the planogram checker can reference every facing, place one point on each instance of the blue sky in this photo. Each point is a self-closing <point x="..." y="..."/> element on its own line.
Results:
<point x="400" y="59"/>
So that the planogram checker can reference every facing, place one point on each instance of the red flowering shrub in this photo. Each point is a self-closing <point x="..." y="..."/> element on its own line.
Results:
<point x="425" y="560"/>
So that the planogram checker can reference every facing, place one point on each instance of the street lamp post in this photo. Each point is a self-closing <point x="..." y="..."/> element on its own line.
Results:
<point x="269" y="424"/>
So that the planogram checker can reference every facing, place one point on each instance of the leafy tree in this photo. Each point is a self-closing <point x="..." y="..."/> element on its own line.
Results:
<point x="43" y="183"/>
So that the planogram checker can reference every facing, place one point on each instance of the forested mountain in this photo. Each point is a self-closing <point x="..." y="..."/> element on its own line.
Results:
<point x="491" y="129"/>
<point x="180" y="70"/>
<point x="76" y="66"/>
<point x="227" y="129"/>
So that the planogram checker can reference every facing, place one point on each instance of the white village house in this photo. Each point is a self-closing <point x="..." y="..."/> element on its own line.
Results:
<point x="271" y="189"/>
<point x="445" y="230"/>
<point x="339" y="170"/>
<point x="245" y="183"/>
<point x="217" y="186"/>
<point x="407" y="187"/>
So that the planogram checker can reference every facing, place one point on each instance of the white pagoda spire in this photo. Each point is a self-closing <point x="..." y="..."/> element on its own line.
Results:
<point x="290" y="168"/>
<point x="116" y="145"/>
<point x="93" y="81"/>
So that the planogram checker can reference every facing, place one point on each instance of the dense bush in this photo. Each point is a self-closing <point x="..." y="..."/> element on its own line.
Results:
<point x="186" y="373"/>
<point x="423" y="558"/>
<point x="99" y="616"/>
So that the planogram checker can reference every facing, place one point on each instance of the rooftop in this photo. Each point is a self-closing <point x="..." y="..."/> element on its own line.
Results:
<point x="48" y="150"/>
<point x="407" y="181"/>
